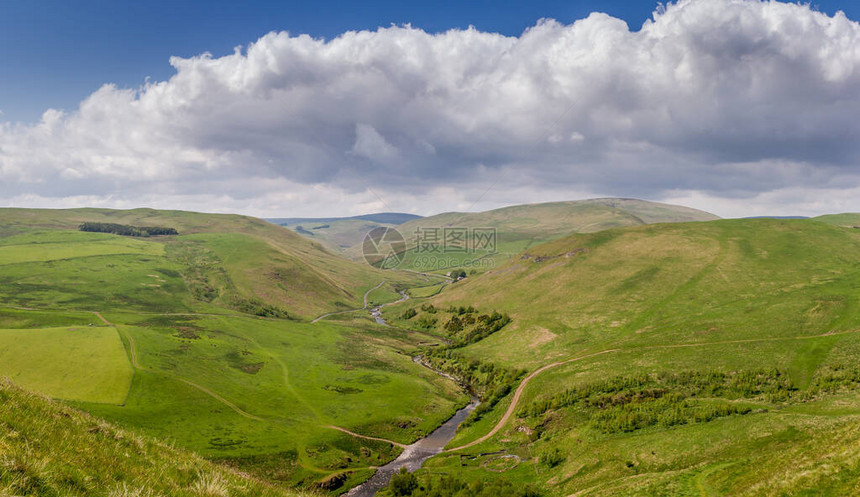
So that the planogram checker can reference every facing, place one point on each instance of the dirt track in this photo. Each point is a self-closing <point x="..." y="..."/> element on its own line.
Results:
<point x="396" y="444"/>
<point x="518" y="393"/>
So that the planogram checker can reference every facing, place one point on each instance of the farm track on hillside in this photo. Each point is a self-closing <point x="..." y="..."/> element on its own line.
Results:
<point x="518" y="393"/>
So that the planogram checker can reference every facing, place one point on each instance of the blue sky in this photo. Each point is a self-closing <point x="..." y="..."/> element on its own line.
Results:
<point x="56" y="52"/>
<point x="739" y="107"/>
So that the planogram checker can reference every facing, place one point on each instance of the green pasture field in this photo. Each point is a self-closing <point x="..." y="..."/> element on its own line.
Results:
<point x="81" y="363"/>
<point x="426" y="291"/>
<point x="382" y="295"/>
<point x="52" y="251"/>
<point x="288" y="383"/>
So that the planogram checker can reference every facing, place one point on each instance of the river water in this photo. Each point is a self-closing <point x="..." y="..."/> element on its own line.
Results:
<point x="376" y="312"/>
<point x="413" y="456"/>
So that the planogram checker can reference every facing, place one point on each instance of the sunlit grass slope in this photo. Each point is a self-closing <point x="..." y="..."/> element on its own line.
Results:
<point x="50" y="449"/>
<point x="674" y="283"/>
<point x="717" y="358"/>
<point x="520" y="227"/>
<point x="78" y="363"/>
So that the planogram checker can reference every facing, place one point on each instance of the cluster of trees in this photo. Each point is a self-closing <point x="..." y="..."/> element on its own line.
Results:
<point x="461" y="310"/>
<point x="407" y="484"/>
<point x="769" y="384"/>
<point x="489" y="401"/>
<point x="127" y="230"/>
<point x="465" y="325"/>
<point x="629" y="403"/>
<point x="470" y="328"/>
<point x="424" y="322"/>
<point x="428" y="308"/>
<point x="257" y="307"/>
<point x="669" y="410"/>
<point x="835" y="378"/>
<point x="551" y="458"/>
<point x="490" y="381"/>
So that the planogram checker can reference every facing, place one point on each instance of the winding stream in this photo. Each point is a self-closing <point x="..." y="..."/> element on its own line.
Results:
<point x="413" y="456"/>
<point x="376" y="312"/>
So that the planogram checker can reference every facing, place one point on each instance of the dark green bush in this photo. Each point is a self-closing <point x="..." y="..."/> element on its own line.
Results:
<point x="403" y="483"/>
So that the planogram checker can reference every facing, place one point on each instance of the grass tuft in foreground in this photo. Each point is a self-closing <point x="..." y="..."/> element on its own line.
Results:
<point x="49" y="449"/>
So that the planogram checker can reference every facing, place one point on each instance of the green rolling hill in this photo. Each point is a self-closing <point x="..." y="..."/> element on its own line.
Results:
<point x="519" y="227"/>
<point x="716" y="358"/>
<point x="203" y="339"/>
<point x="846" y="220"/>
<point x="635" y="353"/>
<point x="227" y="260"/>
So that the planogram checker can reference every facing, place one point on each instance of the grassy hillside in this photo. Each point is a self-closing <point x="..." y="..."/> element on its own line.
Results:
<point x="224" y="259"/>
<point x="519" y="227"/>
<point x="846" y="220"/>
<point x="675" y="283"/>
<point x="702" y="358"/>
<point x="51" y="449"/>
<point x="202" y="339"/>
<point x="718" y="358"/>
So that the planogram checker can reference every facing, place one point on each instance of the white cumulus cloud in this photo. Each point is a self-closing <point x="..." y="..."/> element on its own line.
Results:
<point x="719" y="102"/>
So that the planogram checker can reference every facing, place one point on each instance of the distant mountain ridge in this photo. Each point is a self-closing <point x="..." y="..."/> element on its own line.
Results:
<point x="380" y="217"/>
<point x="518" y="227"/>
